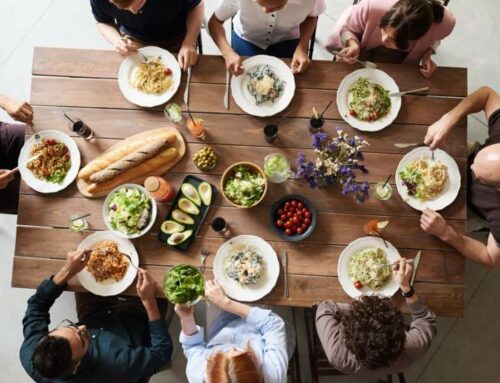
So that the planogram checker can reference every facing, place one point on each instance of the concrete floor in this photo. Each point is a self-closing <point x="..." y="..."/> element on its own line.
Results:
<point x="466" y="350"/>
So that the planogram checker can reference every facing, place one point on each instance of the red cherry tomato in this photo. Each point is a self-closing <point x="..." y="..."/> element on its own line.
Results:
<point x="289" y="214"/>
<point x="279" y="223"/>
<point x="307" y="221"/>
<point x="299" y="213"/>
<point x="304" y="210"/>
<point x="304" y="226"/>
<point x="168" y="71"/>
<point x="308" y="214"/>
<point x="296" y="219"/>
<point x="299" y="230"/>
<point x="294" y="203"/>
<point x="288" y="232"/>
<point x="300" y="205"/>
<point x="358" y="285"/>
<point x="294" y="228"/>
<point x="287" y="204"/>
<point x="287" y="224"/>
<point x="283" y="217"/>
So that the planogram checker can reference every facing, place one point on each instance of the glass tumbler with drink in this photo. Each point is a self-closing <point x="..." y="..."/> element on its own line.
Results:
<point x="220" y="226"/>
<point x="77" y="221"/>
<point x="277" y="168"/>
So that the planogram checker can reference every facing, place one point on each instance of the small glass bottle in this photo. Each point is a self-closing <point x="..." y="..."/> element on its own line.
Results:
<point x="82" y="129"/>
<point x="159" y="189"/>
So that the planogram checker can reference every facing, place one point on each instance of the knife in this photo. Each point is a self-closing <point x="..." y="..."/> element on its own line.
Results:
<point x="415" y="267"/>
<point x="226" y="96"/>
<point x="284" y="263"/>
<point x="399" y="94"/>
<point x="408" y="145"/>
<point x="186" y="92"/>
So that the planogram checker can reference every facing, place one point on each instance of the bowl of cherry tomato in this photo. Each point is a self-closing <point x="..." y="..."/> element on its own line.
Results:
<point x="293" y="218"/>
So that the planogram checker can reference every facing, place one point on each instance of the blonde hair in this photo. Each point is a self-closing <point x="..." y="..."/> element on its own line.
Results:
<point x="242" y="367"/>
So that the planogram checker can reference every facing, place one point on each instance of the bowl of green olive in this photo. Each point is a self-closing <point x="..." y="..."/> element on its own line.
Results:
<point x="205" y="159"/>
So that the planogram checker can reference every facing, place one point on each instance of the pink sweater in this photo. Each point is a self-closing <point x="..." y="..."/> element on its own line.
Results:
<point x="363" y="19"/>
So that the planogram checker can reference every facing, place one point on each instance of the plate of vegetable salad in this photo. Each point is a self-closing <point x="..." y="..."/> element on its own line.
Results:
<point x="129" y="211"/>
<point x="244" y="184"/>
<point x="184" y="285"/>
<point x="363" y="100"/>
<point x="364" y="267"/>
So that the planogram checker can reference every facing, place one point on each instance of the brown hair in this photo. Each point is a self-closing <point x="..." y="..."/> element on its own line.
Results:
<point x="240" y="368"/>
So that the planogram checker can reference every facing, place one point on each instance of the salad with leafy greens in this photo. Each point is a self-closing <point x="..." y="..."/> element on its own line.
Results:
<point x="129" y="210"/>
<point x="370" y="268"/>
<point x="244" y="186"/>
<point x="183" y="285"/>
<point x="368" y="101"/>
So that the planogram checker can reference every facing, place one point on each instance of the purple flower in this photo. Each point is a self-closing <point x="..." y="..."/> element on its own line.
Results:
<point x="318" y="139"/>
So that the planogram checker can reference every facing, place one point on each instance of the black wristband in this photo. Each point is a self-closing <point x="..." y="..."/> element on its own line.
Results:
<point x="409" y="294"/>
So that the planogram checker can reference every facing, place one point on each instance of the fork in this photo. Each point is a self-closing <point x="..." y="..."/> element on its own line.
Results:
<point x="226" y="95"/>
<point x="366" y="64"/>
<point x="130" y="260"/>
<point x="203" y="257"/>
<point x="35" y="134"/>
<point x="383" y="265"/>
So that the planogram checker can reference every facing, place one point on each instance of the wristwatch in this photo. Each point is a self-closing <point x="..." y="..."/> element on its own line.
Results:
<point x="408" y="294"/>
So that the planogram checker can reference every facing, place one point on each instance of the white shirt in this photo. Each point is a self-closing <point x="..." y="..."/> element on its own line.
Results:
<point x="265" y="29"/>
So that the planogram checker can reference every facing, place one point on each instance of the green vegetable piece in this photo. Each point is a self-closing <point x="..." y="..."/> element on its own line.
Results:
<point x="191" y="193"/>
<point x="205" y="191"/>
<point x="171" y="227"/>
<point x="182" y="217"/>
<point x="189" y="207"/>
<point x="183" y="285"/>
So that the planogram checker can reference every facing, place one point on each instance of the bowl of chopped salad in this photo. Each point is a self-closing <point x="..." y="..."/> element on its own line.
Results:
<point x="129" y="211"/>
<point x="244" y="184"/>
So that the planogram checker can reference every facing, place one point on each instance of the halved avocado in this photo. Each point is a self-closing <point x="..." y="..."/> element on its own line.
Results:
<point x="182" y="217"/>
<point x="190" y="192"/>
<point x="171" y="227"/>
<point x="205" y="191"/>
<point x="189" y="207"/>
<point x="178" y="238"/>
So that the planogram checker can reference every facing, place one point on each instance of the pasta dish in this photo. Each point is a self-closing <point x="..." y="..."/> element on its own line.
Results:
<point x="264" y="85"/>
<point x="245" y="264"/>
<point x="368" y="101"/>
<point x="53" y="161"/>
<point x="151" y="76"/>
<point x="370" y="268"/>
<point x="424" y="179"/>
<point x="106" y="262"/>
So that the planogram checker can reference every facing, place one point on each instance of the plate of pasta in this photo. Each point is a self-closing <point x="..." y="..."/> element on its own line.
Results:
<point x="266" y="88"/>
<point x="364" y="267"/>
<point x="246" y="267"/>
<point x="363" y="100"/>
<point x="150" y="78"/>
<point x="424" y="182"/>
<point x="108" y="270"/>
<point x="51" y="163"/>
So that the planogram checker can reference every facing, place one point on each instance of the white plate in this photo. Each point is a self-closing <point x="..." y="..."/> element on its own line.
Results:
<point x="379" y="77"/>
<point x="252" y="292"/>
<point x="45" y="186"/>
<point x="246" y="101"/>
<point x="110" y="286"/>
<point x="360" y="244"/>
<point x="142" y="98"/>
<point x="451" y="189"/>
<point x="152" y="218"/>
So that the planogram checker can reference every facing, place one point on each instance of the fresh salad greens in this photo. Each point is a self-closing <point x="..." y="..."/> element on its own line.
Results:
<point x="424" y="179"/>
<point x="129" y="210"/>
<point x="264" y="84"/>
<point x="244" y="186"/>
<point x="368" y="101"/>
<point x="370" y="268"/>
<point x="183" y="284"/>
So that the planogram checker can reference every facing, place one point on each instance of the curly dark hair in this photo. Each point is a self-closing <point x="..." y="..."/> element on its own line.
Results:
<point x="374" y="331"/>
<point x="52" y="357"/>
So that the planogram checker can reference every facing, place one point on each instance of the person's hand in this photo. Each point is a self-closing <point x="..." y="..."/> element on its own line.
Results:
<point x="234" y="63"/>
<point x="75" y="262"/>
<point x="350" y="53"/>
<point x="125" y="46"/>
<point x="438" y="132"/>
<point x="300" y="61"/>
<point x="428" y="66"/>
<point x="215" y="294"/>
<point x="402" y="274"/>
<point x="187" y="57"/>
<point x="6" y="176"/>
<point x="184" y="312"/>
<point x="19" y="110"/>
<point x="433" y="223"/>
<point x="146" y="286"/>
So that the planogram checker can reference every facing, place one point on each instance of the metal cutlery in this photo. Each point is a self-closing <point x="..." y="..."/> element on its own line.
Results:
<point x="382" y="265"/>
<point x="203" y="257"/>
<point x="366" y="64"/>
<point x="432" y="155"/>
<point x="186" y="92"/>
<point x="408" y="145"/>
<point x="16" y="169"/>
<point x="129" y="260"/>
<point x="399" y="94"/>
<point x="284" y="264"/>
<point x="35" y="134"/>
<point x="415" y="267"/>
<point x="226" y="95"/>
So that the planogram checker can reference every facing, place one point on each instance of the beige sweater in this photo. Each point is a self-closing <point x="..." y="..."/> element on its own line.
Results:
<point x="418" y="339"/>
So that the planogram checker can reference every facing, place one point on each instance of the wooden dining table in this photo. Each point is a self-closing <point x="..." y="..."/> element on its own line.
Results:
<point x="83" y="83"/>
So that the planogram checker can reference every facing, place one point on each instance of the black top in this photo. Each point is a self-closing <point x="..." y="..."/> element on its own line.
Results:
<point x="485" y="200"/>
<point x="157" y="20"/>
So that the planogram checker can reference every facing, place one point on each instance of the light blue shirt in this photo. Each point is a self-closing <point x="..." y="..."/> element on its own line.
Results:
<point x="262" y="330"/>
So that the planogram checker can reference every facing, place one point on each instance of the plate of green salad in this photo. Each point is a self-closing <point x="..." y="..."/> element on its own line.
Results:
<point x="364" y="267"/>
<point x="129" y="211"/>
<point x="244" y="184"/>
<point x="363" y="100"/>
<point x="184" y="285"/>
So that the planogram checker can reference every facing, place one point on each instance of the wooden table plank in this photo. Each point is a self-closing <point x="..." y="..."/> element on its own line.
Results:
<point x="211" y="69"/>
<point x="445" y="299"/>
<point x="104" y="93"/>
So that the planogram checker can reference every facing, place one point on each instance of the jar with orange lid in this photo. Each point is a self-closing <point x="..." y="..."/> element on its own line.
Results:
<point x="159" y="189"/>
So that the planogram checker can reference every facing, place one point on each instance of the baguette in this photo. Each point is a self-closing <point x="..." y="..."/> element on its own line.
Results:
<point x="108" y="158"/>
<point x="143" y="168"/>
<point x="127" y="162"/>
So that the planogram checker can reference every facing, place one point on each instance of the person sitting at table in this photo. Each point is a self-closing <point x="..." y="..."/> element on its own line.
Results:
<point x="243" y="344"/>
<point x="483" y="179"/>
<point x="401" y="31"/>
<point x="11" y="142"/>
<point x="113" y="341"/>
<point x="370" y="335"/>
<point x="281" y="28"/>
<point x="172" y="25"/>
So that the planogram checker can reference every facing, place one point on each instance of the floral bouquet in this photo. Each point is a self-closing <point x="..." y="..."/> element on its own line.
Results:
<point x="336" y="161"/>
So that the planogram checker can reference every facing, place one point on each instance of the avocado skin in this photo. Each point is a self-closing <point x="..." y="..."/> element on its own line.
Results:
<point x="207" y="196"/>
<point x="178" y="238"/>
<point x="195" y="197"/>
<point x="181" y="217"/>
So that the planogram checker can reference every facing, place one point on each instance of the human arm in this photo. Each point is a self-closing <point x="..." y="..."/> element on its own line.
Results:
<point x="122" y="44"/>
<point x="6" y="176"/>
<point x="188" y="56"/>
<point x="300" y="60"/>
<point x="488" y="255"/>
<point x="18" y="110"/>
<point x="484" y="98"/>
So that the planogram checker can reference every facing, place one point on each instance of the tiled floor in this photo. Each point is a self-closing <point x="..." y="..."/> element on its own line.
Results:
<point x="466" y="350"/>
